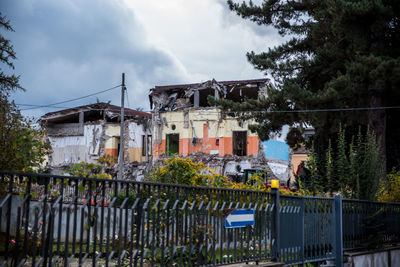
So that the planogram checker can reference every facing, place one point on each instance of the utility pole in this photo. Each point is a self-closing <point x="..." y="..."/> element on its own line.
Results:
<point x="121" y="139"/>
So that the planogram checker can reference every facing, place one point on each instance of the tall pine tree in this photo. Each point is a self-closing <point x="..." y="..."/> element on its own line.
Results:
<point x="342" y="54"/>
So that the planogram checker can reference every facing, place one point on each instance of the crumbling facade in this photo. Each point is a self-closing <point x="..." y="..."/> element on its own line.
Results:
<point x="185" y="124"/>
<point x="86" y="133"/>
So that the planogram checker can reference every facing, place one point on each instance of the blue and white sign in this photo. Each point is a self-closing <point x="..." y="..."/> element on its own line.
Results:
<point x="240" y="218"/>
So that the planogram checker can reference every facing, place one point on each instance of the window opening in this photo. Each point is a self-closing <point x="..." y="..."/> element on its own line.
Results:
<point x="239" y="143"/>
<point x="117" y="140"/>
<point x="172" y="144"/>
<point x="149" y="142"/>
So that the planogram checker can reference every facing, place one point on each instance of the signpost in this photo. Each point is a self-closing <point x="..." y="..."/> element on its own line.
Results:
<point x="240" y="218"/>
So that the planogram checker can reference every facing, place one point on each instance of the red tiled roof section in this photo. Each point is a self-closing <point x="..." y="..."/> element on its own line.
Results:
<point x="159" y="89"/>
<point x="98" y="106"/>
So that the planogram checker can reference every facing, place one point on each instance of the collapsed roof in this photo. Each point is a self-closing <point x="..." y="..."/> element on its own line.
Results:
<point x="173" y="97"/>
<point x="92" y="112"/>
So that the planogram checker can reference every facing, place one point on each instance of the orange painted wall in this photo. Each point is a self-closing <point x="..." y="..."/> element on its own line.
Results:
<point x="112" y="151"/>
<point x="252" y="145"/>
<point x="295" y="162"/>
<point x="159" y="149"/>
<point x="207" y="144"/>
<point x="228" y="146"/>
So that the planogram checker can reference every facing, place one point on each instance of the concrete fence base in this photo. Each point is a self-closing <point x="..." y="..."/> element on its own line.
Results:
<point x="389" y="257"/>
<point x="262" y="264"/>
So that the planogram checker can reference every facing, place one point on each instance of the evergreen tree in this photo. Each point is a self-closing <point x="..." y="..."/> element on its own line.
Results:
<point x="354" y="177"/>
<point x="312" y="179"/>
<point x="342" y="54"/>
<point x="342" y="170"/>
<point x="331" y="185"/>
<point x="8" y="83"/>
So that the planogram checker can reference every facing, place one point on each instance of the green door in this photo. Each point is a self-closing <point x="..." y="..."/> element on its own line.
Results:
<point x="172" y="144"/>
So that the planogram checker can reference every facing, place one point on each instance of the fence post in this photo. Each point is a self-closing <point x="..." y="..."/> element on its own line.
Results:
<point x="276" y="253"/>
<point x="338" y="230"/>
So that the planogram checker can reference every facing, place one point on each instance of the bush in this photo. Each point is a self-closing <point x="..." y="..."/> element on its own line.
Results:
<point x="87" y="170"/>
<point x="389" y="189"/>
<point x="184" y="171"/>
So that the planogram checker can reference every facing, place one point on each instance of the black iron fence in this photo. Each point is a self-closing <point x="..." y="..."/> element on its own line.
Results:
<point x="370" y="224"/>
<point x="48" y="220"/>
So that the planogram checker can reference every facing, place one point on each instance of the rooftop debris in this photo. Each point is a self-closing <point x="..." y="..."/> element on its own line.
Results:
<point x="92" y="112"/>
<point x="175" y="97"/>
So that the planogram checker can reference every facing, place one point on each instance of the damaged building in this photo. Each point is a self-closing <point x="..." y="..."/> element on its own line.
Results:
<point x="86" y="133"/>
<point x="185" y="124"/>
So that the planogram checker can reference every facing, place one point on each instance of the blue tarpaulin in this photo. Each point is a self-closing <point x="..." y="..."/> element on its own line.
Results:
<point x="276" y="150"/>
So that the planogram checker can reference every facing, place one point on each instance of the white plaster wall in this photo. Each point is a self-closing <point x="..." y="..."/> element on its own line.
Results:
<point x="136" y="132"/>
<point x="280" y="170"/>
<point x="74" y="149"/>
<point x="231" y="169"/>
<point x="112" y="130"/>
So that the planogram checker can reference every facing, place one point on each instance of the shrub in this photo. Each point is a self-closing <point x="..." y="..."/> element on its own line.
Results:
<point x="87" y="170"/>
<point x="389" y="189"/>
<point x="179" y="170"/>
<point x="184" y="171"/>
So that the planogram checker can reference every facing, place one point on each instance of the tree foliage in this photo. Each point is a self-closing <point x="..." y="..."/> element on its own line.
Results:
<point x="22" y="146"/>
<point x="340" y="54"/>
<point x="8" y="83"/>
<point x="353" y="169"/>
<point x="389" y="188"/>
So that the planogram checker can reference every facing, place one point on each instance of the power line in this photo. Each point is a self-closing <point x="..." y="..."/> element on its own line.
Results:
<point x="91" y="109"/>
<point x="318" y="110"/>
<point x="31" y="105"/>
<point x="295" y="111"/>
<point x="71" y="100"/>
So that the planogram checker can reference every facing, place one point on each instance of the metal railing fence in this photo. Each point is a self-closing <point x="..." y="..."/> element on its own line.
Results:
<point x="369" y="224"/>
<point x="48" y="220"/>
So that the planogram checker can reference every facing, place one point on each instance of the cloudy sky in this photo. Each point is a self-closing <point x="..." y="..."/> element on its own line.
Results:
<point x="71" y="48"/>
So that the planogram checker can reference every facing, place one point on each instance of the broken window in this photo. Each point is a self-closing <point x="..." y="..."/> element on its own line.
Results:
<point x="238" y="94"/>
<point x="200" y="97"/>
<point x="172" y="144"/>
<point x="239" y="143"/>
<point x="149" y="142"/>
<point x="117" y="141"/>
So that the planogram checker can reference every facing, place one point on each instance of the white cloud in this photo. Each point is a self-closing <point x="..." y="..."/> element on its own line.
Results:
<point x="208" y="39"/>
<point x="71" y="48"/>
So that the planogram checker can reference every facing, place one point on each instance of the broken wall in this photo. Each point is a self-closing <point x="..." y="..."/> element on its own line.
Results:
<point x="74" y="149"/>
<point x="112" y="140"/>
<point x="202" y="130"/>
<point x="137" y="135"/>
<point x="133" y="141"/>
<point x="94" y="141"/>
